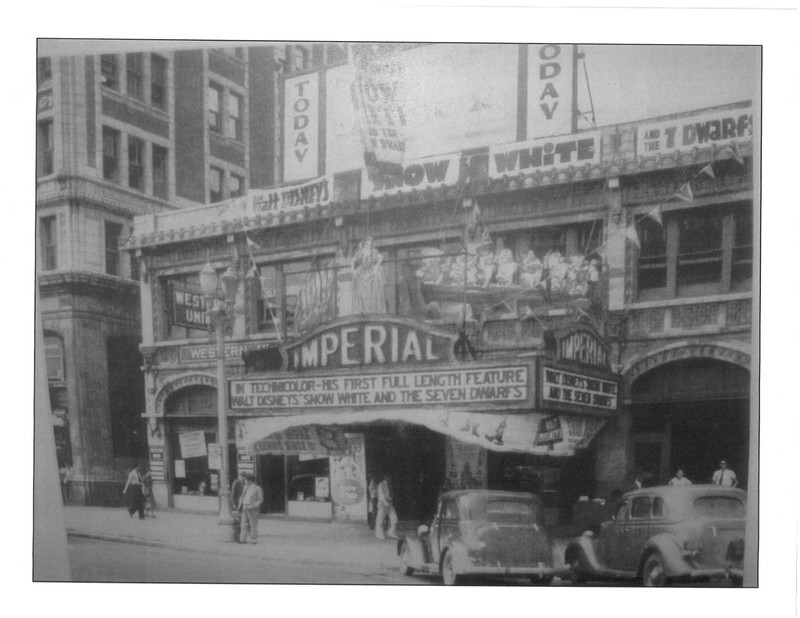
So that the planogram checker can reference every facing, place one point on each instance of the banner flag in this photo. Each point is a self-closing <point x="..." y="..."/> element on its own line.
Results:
<point x="378" y="99"/>
<point x="655" y="214"/>
<point x="708" y="169"/>
<point x="251" y="244"/>
<point x="685" y="193"/>
<point x="632" y="235"/>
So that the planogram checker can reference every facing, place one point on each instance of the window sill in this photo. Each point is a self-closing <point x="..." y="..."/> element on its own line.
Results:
<point x="688" y="300"/>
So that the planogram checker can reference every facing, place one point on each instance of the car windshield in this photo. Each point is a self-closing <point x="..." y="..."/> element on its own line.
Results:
<point x="504" y="510"/>
<point x="719" y="506"/>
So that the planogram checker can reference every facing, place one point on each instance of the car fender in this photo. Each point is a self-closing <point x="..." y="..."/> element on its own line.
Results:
<point x="417" y="556"/>
<point x="583" y="548"/>
<point x="671" y="552"/>
<point x="460" y="555"/>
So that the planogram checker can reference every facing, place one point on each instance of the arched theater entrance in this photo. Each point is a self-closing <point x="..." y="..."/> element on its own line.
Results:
<point x="690" y="413"/>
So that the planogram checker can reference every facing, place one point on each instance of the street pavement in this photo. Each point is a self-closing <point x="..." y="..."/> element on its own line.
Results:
<point x="279" y="538"/>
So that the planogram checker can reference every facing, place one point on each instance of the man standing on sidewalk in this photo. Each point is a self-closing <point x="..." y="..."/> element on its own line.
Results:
<point x="133" y="489"/>
<point x="249" y="505"/>
<point x="385" y="508"/>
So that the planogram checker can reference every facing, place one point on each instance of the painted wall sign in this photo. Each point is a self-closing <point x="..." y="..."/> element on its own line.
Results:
<point x="544" y="155"/>
<point x="205" y="353"/>
<point x="457" y="387"/>
<point x="583" y="346"/>
<point x="188" y="307"/>
<point x="721" y="127"/>
<point x="550" y="431"/>
<point x="301" y="127"/>
<point x="576" y="389"/>
<point x="373" y="342"/>
<point x="550" y="83"/>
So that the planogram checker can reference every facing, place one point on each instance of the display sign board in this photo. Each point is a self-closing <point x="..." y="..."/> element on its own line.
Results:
<point x="214" y="456"/>
<point x="420" y="174"/>
<point x="457" y="387"/>
<point x="343" y="148"/>
<point x="351" y="343"/>
<point x="570" y="388"/>
<point x="550" y="431"/>
<point x="721" y="127"/>
<point x="550" y="84"/>
<point x="348" y="480"/>
<point x="193" y="444"/>
<point x="157" y="463"/>
<point x="317" y="192"/>
<point x="205" y="353"/>
<point x="300" y="127"/>
<point x="189" y="307"/>
<point x="544" y="155"/>
<point x="583" y="346"/>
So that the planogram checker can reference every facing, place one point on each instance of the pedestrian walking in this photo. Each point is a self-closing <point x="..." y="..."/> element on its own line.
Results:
<point x="372" y="502"/>
<point x="149" y="497"/>
<point x="386" y="509"/>
<point x="724" y="476"/>
<point x="679" y="480"/>
<point x="133" y="491"/>
<point x="249" y="505"/>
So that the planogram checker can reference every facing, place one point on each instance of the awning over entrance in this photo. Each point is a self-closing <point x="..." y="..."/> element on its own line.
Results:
<point x="535" y="433"/>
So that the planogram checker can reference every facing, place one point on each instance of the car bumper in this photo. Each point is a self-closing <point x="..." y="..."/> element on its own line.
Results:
<point x="518" y="571"/>
<point x="734" y="574"/>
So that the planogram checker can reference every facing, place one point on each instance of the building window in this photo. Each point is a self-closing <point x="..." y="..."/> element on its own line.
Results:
<point x="109" y="71"/>
<point x="158" y="81"/>
<point x="236" y="186"/>
<point x="54" y="358"/>
<point x="113" y="233"/>
<point x="238" y="52"/>
<point x="49" y="242"/>
<point x="111" y="139"/>
<point x="214" y="108"/>
<point x="160" y="163"/>
<point x="135" y="75"/>
<point x="234" y="116"/>
<point x="299" y="58"/>
<point x="45" y="158"/>
<point x="653" y="254"/>
<point x="742" y="273"/>
<point x="697" y="251"/>
<point x="135" y="163"/>
<point x="215" y="185"/>
<point x="699" y="247"/>
<point x="44" y="70"/>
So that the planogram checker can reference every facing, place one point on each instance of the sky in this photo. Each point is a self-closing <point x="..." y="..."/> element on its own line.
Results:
<point x="627" y="82"/>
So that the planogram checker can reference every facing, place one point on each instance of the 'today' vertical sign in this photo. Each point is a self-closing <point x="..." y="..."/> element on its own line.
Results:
<point x="301" y="127"/>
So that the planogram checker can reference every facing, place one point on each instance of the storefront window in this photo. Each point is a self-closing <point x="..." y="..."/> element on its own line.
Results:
<point x="309" y="479"/>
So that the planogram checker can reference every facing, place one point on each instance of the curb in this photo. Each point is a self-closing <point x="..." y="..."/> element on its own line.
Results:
<point x="216" y="552"/>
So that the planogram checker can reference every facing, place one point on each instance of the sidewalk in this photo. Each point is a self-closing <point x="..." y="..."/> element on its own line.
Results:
<point x="278" y="539"/>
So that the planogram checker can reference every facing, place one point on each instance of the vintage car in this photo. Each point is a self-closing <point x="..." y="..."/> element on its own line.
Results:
<point x="481" y="532"/>
<point x="664" y="535"/>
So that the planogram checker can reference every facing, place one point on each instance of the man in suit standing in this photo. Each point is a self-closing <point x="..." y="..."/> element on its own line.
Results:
<point x="249" y="505"/>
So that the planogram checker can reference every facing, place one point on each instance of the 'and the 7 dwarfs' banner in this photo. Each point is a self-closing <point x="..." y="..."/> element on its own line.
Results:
<point x="721" y="127"/>
<point x="507" y="432"/>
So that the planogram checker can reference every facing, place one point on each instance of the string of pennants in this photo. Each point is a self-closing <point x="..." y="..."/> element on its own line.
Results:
<point x="475" y="220"/>
<point x="684" y="193"/>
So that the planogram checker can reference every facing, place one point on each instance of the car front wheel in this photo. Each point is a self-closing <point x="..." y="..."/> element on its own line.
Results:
<point x="449" y="575"/>
<point x="405" y="559"/>
<point x="653" y="573"/>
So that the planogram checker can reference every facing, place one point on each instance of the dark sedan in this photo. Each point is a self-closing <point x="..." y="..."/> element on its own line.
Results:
<point x="664" y="535"/>
<point x="480" y="532"/>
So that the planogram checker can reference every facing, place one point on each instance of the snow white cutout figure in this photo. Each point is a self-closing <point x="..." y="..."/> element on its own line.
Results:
<point x="368" y="280"/>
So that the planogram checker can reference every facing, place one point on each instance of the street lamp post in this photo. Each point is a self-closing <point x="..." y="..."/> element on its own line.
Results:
<point x="220" y="311"/>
